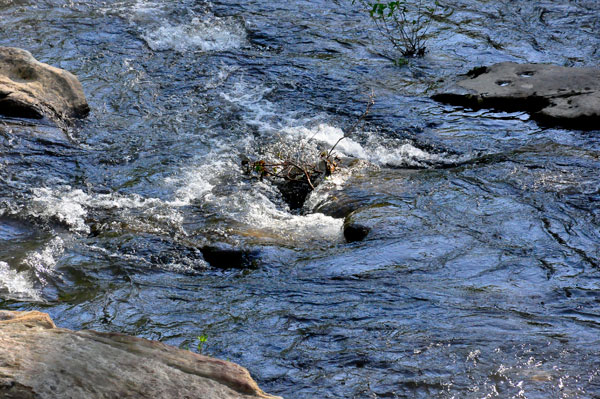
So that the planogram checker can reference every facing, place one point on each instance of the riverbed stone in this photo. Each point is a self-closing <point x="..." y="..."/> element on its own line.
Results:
<point x="40" y="361"/>
<point x="553" y="95"/>
<point x="354" y="232"/>
<point x="31" y="89"/>
<point x="224" y="256"/>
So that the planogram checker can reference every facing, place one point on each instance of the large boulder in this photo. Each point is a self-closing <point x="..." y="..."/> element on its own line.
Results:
<point x="31" y="89"/>
<point x="554" y="95"/>
<point x="39" y="360"/>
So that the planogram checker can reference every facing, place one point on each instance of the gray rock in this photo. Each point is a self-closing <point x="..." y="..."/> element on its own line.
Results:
<point x="554" y="95"/>
<point x="31" y="89"/>
<point x="40" y="361"/>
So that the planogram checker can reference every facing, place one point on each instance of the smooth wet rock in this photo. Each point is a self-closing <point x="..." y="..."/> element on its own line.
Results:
<point x="294" y="193"/>
<point x="354" y="232"/>
<point x="31" y="89"/>
<point x="223" y="256"/>
<point x="40" y="361"/>
<point x="340" y="206"/>
<point x="553" y="95"/>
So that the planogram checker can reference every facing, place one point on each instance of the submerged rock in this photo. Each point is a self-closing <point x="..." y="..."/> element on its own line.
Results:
<point x="226" y="257"/>
<point x="31" y="89"/>
<point x="340" y="206"/>
<point x="39" y="360"/>
<point x="354" y="232"/>
<point x="554" y="95"/>
<point x="293" y="192"/>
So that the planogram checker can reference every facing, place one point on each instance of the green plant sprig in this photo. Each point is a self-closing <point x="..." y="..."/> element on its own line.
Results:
<point x="404" y="23"/>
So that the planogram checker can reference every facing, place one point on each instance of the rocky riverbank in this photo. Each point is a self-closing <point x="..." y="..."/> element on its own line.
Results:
<point x="39" y="360"/>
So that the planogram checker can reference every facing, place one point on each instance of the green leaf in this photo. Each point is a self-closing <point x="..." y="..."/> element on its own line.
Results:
<point x="400" y="62"/>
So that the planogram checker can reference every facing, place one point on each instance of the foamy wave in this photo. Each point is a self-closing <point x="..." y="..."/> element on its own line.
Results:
<point x="16" y="285"/>
<point x="66" y="206"/>
<point x="43" y="263"/>
<point x="392" y="154"/>
<point x="71" y="206"/>
<point x="261" y="213"/>
<point x="191" y="186"/>
<point x="211" y="34"/>
<point x="146" y="8"/>
<point x="306" y="132"/>
<point x="163" y="28"/>
<point x="254" y="208"/>
<point x="329" y="135"/>
<point x="409" y="155"/>
<point x="259" y="112"/>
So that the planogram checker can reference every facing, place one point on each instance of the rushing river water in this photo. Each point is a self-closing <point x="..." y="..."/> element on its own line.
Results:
<point x="480" y="277"/>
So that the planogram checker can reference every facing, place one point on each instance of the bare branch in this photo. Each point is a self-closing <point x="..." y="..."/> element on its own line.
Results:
<point x="356" y="123"/>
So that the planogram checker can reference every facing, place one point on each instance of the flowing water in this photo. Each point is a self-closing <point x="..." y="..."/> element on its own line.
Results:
<point x="480" y="277"/>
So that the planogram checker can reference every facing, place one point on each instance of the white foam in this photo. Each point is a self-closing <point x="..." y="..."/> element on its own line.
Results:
<point x="329" y="135"/>
<point x="392" y="153"/>
<point x="71" y="207"/>
<point x="259" y="112"/>
<point x="250" y="206"/>
<point x="208" y="34"/>
<point x="43" y="263"/>
<point x="308" y="131"/>
<point x="303" y="139"/>
<point x="406" y="155"/>
<point x="64" y="205"/>
<point x="164" y="28"/>
<point x="16" y="285"/>
<point x="261" y="213"/>
<point x="146" y="8"/>
<point x="191" y="186"/>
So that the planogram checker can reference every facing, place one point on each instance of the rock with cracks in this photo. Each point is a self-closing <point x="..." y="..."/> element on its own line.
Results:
<point x="39" y="360"/>
<point x="31" y="89"/>
<point x="553" y="95"/>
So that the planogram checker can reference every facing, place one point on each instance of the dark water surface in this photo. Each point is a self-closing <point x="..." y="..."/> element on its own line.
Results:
<point x="480" y="277"/>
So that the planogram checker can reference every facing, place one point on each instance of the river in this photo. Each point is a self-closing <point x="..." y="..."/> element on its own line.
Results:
<point x="479" y="278"/>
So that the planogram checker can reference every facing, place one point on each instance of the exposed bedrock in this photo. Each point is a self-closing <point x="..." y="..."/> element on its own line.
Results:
<point x="553" y="95"/>
<point x="39" y="360"/>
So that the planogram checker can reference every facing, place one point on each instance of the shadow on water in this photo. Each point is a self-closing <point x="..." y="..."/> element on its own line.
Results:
<point x="479" y="277"/>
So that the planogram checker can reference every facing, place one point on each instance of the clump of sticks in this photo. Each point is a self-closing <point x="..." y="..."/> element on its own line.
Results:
<point x="298" y="172"/>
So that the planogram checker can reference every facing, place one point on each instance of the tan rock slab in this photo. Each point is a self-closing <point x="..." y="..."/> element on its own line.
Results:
<point x="31" y="89"/>
<point x="39" y="360"/>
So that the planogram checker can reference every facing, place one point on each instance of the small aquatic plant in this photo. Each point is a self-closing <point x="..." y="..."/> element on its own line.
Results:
<point x="201" y="340"/>
<point x="404" y="23"/>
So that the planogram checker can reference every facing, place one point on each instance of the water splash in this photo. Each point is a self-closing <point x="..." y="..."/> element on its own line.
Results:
<point x="43" y="263"/>
<point x="71" y="207"/>
<point x="254" y="208"/>
<point x="375" y="149"/>
<point x="210" y="34"/>
<point x="66" y="206"/>
<point x="188" y="29"/>
<point x="316" y="133"/>
<point x="17" y="285"/>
